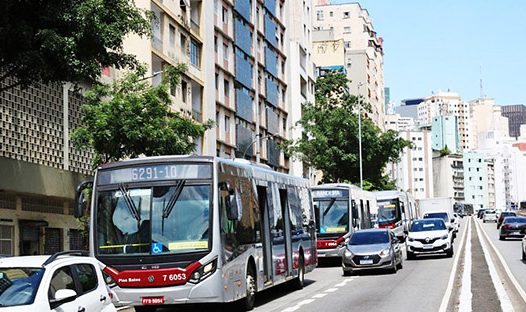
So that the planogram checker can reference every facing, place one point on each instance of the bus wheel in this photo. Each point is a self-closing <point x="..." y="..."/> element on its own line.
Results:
<point x="300" y="280"/>
<point x="247" y="303"/>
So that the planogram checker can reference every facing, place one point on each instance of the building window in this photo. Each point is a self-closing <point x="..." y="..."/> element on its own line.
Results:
<point x="225" y="15"/>
<point x="172" y="35"/>
<point x="347" y="29"/>
<point x="217" y="81"/>
<point x="225" y="51"/>
<point x="215" y="43"/>
<point x="195" y="53"/>
<point x="184" y="89"/>
<point x="346" y="14"/>
<point x="331" y="14"/>
<point x="6" y="240"/>
<point x="227" y="88"/>
<point x="319" y="15"/>
<point x="227" y="125"/>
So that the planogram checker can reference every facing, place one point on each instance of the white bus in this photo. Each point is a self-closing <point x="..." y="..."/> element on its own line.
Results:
<point x="396" y="210"/>
<point x="190" y="229"/>
<point x="340" y="210"/>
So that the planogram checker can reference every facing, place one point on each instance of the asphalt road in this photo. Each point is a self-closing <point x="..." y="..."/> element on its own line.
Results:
<point x="419" y="286"/>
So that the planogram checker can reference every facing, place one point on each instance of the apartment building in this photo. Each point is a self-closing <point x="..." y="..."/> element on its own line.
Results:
<point x="413" y="172"/>
<point x="516" y="115"/>
<point x="486" y="116"/>
<point x="445" y="133"/>
<point x="476" y="180"/>
<point x="448" y="104"/>
<point x="448" y="176"/>
<point x="363" y="57"/>
<point x="301" y="75"/>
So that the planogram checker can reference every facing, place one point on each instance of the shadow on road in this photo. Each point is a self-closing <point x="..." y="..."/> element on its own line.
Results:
<point x="429" y="257"/>
<point x="330" y="262"/>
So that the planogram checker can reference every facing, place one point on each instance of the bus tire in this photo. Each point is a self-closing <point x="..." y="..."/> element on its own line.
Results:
<point x="299" y="281"/>
<point x="247" y="303"/>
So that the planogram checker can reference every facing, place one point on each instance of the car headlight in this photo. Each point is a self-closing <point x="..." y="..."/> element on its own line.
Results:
<point x="444" y="236"/>
<point x="410" y="239"/>
<point x="385" y="252"/>
<point x="348" y="253"/>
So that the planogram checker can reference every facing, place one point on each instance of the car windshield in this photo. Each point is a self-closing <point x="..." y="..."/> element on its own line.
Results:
<point x="369" y="238"/>
<point x="153" y="220"/>
<point x="514" y="220"/>
<point x="439" y="215"/>
<point x="489" y="212"/>
<point x="427" y="225"/>
<point x="332" y="215"/>
<point x="18" y="286"/>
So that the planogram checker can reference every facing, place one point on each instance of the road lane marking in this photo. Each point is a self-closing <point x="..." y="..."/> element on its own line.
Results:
<point x="505" y="302"/>
<point x="318" y="296"/>
<point x="304" y="302"/>
<point x="449" y="289"/>
<point x="512" y="278"/>
<point x="465" y="290"/>
<point x="291" y="309"/>
<point x="331" y="290"/>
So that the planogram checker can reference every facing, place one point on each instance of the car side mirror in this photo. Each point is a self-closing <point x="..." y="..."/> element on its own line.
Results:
<point x="450" y="228"/>
<point x="406" y="232"/>
<point x="62" y="296"/>
<point x="452" y="220"/>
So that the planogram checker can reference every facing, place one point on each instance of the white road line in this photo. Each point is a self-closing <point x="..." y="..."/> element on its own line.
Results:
<point x="340" y="284"/>
<point x="465" y="290"/>
<point x="505" y="302"/>
<point x="318" y="296"/>
<point x="331" y="290"/>
<point x="447" y="294"/>
<point x="304" y="302"/>
<point x="521" y="291"/>
<point x="291" y="309"/>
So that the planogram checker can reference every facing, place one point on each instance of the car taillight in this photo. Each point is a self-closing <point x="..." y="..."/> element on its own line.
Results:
<point x="387" y="226"/>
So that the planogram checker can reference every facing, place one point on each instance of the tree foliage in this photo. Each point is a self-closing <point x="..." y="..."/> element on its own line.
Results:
<point x="130" y="117"/>
<point x="65" y="40"/>
<point x="330" y="141"/>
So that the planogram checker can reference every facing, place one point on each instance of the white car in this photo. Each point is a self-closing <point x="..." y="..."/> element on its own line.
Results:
<point x="429" y="236"/>
<point x="448" y="219"/>
<point x="490" y="215"/>
<point x="65" y="281"/>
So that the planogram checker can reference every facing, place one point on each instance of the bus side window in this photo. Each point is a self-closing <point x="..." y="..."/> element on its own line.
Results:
<point x="354" y="213"/>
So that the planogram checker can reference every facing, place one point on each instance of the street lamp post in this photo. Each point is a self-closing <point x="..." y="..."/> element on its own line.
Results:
<point x="256" y="138"/>
<point x="360" y="133"/>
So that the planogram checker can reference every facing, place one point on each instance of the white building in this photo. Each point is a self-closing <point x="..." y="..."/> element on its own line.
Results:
<point x="448" y="176"/>
<point x="397" y="123"/>
<point x="476" y="180"/>
<point x="486" y="116"/>
<point x="363" y="50"/>
<point x="300" y="70"/>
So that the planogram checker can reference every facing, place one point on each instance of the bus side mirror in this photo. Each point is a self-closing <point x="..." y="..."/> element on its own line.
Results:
<point x="79" y="198"/>
<point x="233" y="212"/>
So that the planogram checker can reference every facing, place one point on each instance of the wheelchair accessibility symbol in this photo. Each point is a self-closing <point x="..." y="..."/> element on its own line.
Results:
<point x="157" y="248"/>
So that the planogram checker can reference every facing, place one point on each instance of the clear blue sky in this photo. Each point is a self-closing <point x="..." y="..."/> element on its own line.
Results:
<point x="441" y="44"/>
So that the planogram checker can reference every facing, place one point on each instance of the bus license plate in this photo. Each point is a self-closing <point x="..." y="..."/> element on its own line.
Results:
<point x="428" y="246"/>
<point x="152" y="300"/>
<point x="370" y="261"/>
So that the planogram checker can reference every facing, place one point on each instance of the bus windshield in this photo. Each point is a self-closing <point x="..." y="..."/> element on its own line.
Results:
<point x="332" y="215"/>
<point x="388" y="211"/>
<point x="153" y="220"/>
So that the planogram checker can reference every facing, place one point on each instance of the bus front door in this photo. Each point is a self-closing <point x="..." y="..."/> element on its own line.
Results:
<point x="263" y="201"/>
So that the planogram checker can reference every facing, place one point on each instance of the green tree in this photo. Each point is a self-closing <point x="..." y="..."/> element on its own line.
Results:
<point x="330" y="141"/>
<point x="65" y="40"/>
<point x="130" y="117"/>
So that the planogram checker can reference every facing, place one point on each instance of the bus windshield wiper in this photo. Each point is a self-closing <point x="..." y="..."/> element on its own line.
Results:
<point x="129" y="203"/>
<point x="173" y="199"/>
<point x="329" y="206"/>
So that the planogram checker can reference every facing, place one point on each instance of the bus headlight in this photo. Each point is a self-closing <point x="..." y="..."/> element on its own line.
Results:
<point x="203" y="272"/>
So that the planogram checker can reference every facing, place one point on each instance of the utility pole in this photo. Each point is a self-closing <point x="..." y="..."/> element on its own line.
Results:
<point x="360" y="132"/>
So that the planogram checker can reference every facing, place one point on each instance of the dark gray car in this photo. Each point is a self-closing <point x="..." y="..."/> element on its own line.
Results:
<point x="372" y="249"/>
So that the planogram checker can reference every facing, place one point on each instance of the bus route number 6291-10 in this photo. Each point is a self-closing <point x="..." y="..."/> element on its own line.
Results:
<point x="174" y="277"/>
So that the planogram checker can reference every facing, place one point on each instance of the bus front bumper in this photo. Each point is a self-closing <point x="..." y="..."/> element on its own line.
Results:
<point x="207" y="291"/>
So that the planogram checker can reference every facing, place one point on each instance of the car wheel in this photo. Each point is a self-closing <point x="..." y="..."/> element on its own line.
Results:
<point x="483" y="221"/>
<point x="347" y="273"/>
<point x="394" y="267"/>
<point x="523" y="255"/>
<point x="299" y="281"/>
<point x="450" y="252"/>
<point x="501" y="237"/>
<point x="411" y="255"/>
<point x="247" y="303"/>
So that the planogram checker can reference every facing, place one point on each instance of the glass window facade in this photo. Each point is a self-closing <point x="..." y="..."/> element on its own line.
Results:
<point x="243" y="36"/>
<point x="243" y="70"/>
<point x="243" y="104"/>
<point x="271" y="62"/>
<point x="272" y="92"/>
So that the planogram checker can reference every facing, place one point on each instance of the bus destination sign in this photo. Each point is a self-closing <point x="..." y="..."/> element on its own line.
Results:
<point x="330" y="193"/>
<point x="155" y="173"/>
